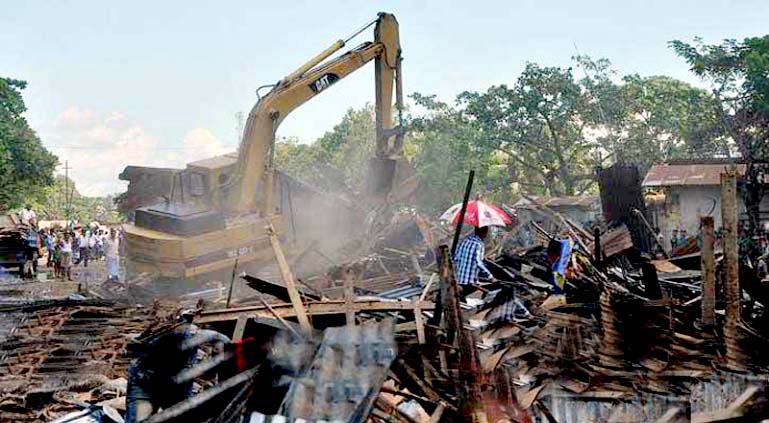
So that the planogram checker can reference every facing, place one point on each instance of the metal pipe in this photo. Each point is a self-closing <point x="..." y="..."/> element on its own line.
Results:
<point x="314" y="61"/>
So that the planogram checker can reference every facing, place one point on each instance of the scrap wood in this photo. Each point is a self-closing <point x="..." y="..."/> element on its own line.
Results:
<point x="276" y="290"/>
<point x="288" y="280"/>
<point x="434" y="397"/>
<point x="313" y="309"/>
<point x="527" y="396"/>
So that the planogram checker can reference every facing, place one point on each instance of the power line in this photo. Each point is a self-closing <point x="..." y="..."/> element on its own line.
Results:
<point x="77" y="147"/>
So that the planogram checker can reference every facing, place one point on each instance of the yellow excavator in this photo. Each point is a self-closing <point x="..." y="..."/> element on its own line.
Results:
<point x="219" y="208"/>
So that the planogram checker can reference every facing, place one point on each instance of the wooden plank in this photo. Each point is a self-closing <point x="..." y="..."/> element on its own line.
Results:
<point x="419" y="320"/>
<point x="288" y="280"/>
<point x="313" y="309"/>
<point x="730" y="229"/>
<point x="349" y="297"/>
<point x="437" y="414"/>
<point x="240" y="327"/>
<point x="708" y="273"/>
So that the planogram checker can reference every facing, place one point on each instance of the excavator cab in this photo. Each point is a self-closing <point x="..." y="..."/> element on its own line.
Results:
<point x="195" y="204"/>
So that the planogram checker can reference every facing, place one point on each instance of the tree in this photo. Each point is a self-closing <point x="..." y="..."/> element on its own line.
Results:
<point x="55" y="203"/>
<point x="739" y="75"/>
<point x="644" y="120"/>
<point x="26" y="167"/>
<point x="538" y="125"/>
<point x="444" y="146"/>
<point x="337" y="161"/>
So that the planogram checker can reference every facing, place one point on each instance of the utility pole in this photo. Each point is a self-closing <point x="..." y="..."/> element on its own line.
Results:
<point x="66" y="191"/>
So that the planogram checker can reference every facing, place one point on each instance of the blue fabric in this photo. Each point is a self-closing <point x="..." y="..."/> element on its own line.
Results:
<point x="32" y="239"/>
<point x="469" y="260"/>
<point x="561" y="263"/>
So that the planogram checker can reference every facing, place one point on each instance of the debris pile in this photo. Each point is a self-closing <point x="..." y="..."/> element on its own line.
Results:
<point x="579" y="327"/>
<point x="57" y="354"/>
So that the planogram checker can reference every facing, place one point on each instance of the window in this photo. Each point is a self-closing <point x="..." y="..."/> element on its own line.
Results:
<point x="197" y="185"/>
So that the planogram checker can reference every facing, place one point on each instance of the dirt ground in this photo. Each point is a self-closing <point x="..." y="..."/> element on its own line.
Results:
<point x="45" y="286"/>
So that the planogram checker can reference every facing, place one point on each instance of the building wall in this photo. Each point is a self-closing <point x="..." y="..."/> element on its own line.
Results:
<point x="684" y="205"/>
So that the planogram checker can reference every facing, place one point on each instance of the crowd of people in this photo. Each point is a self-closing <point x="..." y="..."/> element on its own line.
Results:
<point x="66" y="247"/>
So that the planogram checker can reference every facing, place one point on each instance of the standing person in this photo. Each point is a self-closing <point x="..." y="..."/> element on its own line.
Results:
<point x="101" y="236"/>
<point x="660" y="248"/>
<point x="683" y="238"/>
<point x="112" y="254"/>
<point x="674" y="240"/>
<point x="28" y="216"/>
<point x="31" y="253"/>
<point x="82" y="247"/>
<point x="50" y="246"/>
<point x="469" y="260"/>
<point x="65" y="251"/>
<point x="91" y="241"/>
<point x="57" y="256"/>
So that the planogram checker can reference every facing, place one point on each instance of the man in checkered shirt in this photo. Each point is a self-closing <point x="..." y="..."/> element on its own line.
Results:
<point x="468" y="259"/>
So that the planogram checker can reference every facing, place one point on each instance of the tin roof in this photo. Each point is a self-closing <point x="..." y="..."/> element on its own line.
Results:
<point x="661" y="175"/>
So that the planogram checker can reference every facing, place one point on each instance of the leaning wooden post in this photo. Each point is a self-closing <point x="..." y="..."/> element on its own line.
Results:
<point x="288" y="280"/>
<point x="708" y="273"/>
<point x="465" y="200"/>
<point x="731" y="266"/>
<point x="468" y="384"/>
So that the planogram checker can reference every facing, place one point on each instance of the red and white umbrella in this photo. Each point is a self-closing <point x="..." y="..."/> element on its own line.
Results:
<point x="478" y="214"/>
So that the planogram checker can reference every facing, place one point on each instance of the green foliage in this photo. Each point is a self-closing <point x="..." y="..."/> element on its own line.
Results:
<point x="338" y="161"/>
<point x="444" y="146"/>
<point x="665" y="119"/>
<point x="56" y="203"/>
<point x="544" y="134"/>
<point x="26" y="167"/>
<point x="538" y="127"/>
<point x="739" y="73"/>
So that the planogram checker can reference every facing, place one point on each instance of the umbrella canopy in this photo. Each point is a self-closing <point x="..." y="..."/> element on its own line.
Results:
<point x="478" y="214"/>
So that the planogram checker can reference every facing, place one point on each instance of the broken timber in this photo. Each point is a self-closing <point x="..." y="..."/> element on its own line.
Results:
<point x="313" y="309"/>
<point x="288" y="280"/>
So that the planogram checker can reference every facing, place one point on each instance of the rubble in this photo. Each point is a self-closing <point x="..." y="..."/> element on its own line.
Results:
<point x="388" y="339"/>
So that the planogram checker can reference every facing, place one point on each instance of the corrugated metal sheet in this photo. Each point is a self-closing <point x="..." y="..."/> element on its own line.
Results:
<point x="661" y="175"/>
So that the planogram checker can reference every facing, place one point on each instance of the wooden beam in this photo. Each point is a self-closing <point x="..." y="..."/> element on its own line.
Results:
<point x="288" y="280"/>
<point x="751" y="404"/>
<point x="349" y="297"/>
<point x="729" y="219"/>
<point x="708" y="273"/>
<point x="313" y="309"/>
<point x="418" y="319"/>
<point x="438" y="413"/>
<point x="240" y="327"/>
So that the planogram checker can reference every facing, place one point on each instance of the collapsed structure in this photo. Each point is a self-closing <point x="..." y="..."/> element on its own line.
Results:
<point x="385" y="337"/>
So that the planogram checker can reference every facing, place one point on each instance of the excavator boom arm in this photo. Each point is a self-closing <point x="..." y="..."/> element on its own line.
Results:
<point x="255" y="154"/>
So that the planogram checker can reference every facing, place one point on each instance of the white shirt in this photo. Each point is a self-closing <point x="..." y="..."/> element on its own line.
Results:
<point x="91" y="241"/>
<point x="81" y="241"/>
<point x="27" y="216"/>
<point x="66" y="247"/>
<point x="112" y="247"/>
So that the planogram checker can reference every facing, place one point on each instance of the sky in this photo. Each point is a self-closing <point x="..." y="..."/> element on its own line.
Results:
<point x="160" y="83"/>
